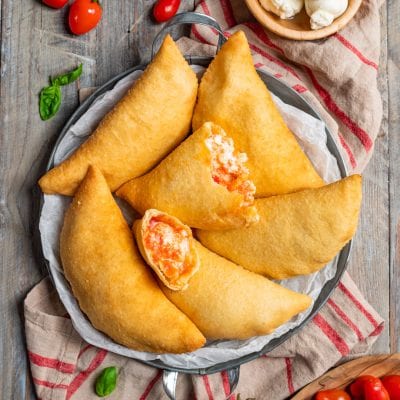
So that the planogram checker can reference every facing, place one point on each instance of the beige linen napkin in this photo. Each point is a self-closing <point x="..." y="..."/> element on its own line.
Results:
<point x="338" y="77"/>
<point x="65" y="367"/>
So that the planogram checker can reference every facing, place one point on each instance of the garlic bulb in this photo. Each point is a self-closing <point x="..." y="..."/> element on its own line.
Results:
<point x="285" y="9"/>
<point x="323" y="12"/>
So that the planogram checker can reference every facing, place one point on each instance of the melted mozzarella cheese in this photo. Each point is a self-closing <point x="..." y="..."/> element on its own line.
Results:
<point x="228" y="167"/>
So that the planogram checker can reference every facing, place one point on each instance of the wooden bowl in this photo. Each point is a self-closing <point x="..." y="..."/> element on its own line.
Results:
<point x="344" y="375"/>
<point x="298" y="28"/>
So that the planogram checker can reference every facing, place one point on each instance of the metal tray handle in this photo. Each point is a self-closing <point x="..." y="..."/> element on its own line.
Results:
<point x="170" y="378"/>
<point x="183" y="19"/>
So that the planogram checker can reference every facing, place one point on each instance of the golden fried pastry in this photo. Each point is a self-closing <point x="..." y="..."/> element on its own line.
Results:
<point x="226" y="301"/>
<point x="232" y="95"/>
<point x="298" y="233"/>
<point x="113" y="286"/>
<point x="150" y="121"/>
<point x="167" y="245"/>
<point x="203" y="182"/>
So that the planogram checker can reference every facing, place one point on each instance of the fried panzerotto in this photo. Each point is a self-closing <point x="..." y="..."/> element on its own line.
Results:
<point x="203" y="182"/>
<point x="297" y="234"/>
<point x="168" y="247"/>
<point x="110" y="280"/>
<point x="150" y="121"/>
<point x="225" y="301"/>
<point x="232" y="95"/>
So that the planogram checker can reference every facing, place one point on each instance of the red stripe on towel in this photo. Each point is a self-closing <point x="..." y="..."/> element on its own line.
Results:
<point x="208" y="387"/>
<point x="331" y="334"/>
<point x="357" y="303"/>
<point x="205" y="8"/>
<point x="49" y="385"/>
<point x="289" y="374"/>
<point x="270" y="58"/>
<point x="150" y="386"/>
<point x="227" y="386"/>
<point x="51" y="363"/>
<point x="350" y="154"/>
<point x="261" y="34"/>
<point x="274" y="60"/>
<point x="355" y="51"/>
<point x="299" y="88"/>
<point x="83" y="375"/>
<point x="87" y="347"/>
<point x="378" y="330"/>
<point x="346" y="319"/>
<point x="228" y="13"/>
<point x="198" y="36"/>
<point x="333" y="107"/>
<point x="207" y="12"/>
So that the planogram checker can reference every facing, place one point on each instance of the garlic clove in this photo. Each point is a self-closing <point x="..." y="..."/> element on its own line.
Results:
<point x="323" y="12"/>
<point x="321" y="19"/>
<point x="285" y="9"/>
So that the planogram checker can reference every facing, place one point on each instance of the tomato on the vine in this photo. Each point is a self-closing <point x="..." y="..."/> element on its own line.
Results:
<point x="332" y="395"/>
<point x="366" y="387"/>
<point x="374" y="392"/>
<point x="357" y="387"/>
<point x="84" y="15"/>
<point x="55" y="3"/>
<point x="392" y="385"/>
<point x="165" y="9"/>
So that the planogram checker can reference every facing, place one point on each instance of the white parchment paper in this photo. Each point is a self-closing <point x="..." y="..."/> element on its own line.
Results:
<point x="311" y="135"/>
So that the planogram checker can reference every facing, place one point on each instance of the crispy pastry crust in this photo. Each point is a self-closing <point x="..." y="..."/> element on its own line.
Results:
<point x="182" y="185"/>
<point x="148" y="123"/>
<point x="232" y="95"/>
<point x="298" y="233"/>
<point x="228" y="302"/>
<point x="114" y="287"/>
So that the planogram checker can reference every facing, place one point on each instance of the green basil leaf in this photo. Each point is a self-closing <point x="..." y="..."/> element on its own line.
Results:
<point x="49" y="102"/>
<point x="106" y="382"/>
<point x="68" y="78"/>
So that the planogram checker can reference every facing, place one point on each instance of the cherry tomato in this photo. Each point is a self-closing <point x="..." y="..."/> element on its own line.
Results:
<point x="357" y="387"/>
<point x="55" y="3"/>
<point x="84" y="15"/>
<point x="165" y="9"/>
<point x="374" y="392"/>
<point x="332" y="395"/>
<point x="392" y="385"/>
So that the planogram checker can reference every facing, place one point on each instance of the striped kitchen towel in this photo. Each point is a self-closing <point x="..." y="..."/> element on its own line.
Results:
<point x="338" y="76"/>
<point x="64" y="367"/>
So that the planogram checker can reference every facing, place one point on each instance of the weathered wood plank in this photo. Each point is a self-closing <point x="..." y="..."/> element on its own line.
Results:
<point x="18" y="143"/>
<point x="35" y="44"/>
<point x="369" y="265"/>
<point x="394" y="173"/>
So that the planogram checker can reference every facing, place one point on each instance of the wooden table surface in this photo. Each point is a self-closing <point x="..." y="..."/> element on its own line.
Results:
<point x="35" y="45"/>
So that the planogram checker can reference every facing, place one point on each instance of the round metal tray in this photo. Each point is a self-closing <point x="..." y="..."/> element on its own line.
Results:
<point x="289" y="96"/>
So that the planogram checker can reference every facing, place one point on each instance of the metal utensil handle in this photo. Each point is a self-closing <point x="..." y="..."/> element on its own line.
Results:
<point x="169" y="383"/>
<point x="171" y="377"/>
<point x="187" y="18"/>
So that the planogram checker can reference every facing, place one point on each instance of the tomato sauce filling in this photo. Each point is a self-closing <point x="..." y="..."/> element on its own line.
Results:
<point x="228" y="167"/>
<point x="169" y="245"/>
